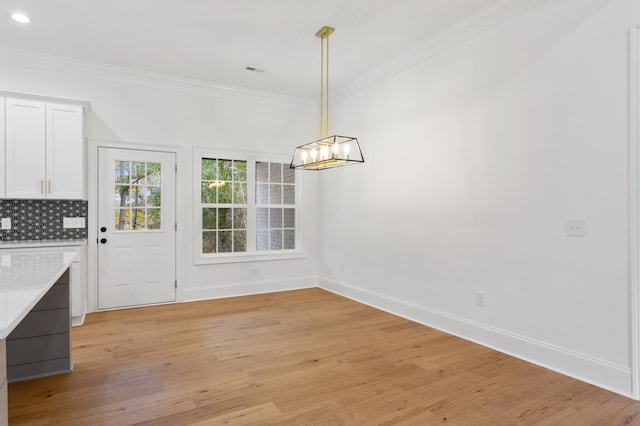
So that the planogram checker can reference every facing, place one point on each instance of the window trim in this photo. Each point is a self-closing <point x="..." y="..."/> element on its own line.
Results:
<point x="251" y="255"/>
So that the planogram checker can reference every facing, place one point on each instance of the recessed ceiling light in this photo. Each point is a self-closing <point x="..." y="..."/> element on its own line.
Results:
<point x="21" y="17"/>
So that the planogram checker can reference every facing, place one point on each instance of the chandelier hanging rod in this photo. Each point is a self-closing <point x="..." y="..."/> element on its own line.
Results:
<point x="329" y="151"/>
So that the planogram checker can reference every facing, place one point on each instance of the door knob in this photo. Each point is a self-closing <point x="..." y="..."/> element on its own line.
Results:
<point x="103" y="240"/>
<point x="103" y="229"/>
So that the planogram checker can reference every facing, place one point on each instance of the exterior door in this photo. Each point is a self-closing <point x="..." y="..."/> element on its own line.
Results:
<point x="136" y="227"/>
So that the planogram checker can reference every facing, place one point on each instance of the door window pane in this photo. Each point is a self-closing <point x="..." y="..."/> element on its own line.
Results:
<point x="137" y="196"/>
<point x="138" y="219"/>
<point x="122" y="172"/>
<point x="153" y="219"/>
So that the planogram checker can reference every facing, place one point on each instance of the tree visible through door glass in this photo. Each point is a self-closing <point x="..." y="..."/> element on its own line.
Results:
<point x="137" y="196"/>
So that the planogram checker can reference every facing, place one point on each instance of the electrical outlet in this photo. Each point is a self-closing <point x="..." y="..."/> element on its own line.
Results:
<point x="480" y="298"/>
<point x="342" y="267"/>
<point x="6" y="223"/>
<point x="73" y="222"/>
<point x="255" y="271"/>
<point x="575" y="227"/>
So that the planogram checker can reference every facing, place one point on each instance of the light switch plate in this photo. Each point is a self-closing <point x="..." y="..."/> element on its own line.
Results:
<point x="73" y="222"/>
<point x="6" y="223"/>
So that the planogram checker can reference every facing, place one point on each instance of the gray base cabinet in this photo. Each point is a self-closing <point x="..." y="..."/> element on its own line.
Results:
<point x="4" y="407"/>
<point x="41" y="344"/>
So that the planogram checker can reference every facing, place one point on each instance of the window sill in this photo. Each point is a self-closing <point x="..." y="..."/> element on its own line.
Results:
<point x="252" y="257"/>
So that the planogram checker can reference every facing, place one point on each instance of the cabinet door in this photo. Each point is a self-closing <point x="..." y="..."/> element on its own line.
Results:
<point x="65" y="153"/>
<point x="25" y="149"/>
<point x="4" y="409"/>
<point x="2" y="148"/>
<point x="78" y="282"/>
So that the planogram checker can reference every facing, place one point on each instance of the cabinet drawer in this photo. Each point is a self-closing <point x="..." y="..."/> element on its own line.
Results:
<point x="3" y="362"/>
<point x="41" y="348"/>
<point x="38" y="369"/>
<point x="42" y="323"/>
<point x="57" y="297"/>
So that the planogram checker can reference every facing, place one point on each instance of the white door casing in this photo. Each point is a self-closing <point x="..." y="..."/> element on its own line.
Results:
<point x="634" y="200"/>
<point x="136" y="227"/>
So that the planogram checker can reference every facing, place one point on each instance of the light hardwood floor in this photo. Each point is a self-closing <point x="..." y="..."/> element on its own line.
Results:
<point x="304" y="357"/>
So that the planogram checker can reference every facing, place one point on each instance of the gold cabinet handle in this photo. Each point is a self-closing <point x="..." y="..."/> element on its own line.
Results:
<point x="42" y="187"/>
<point x="49" y="182"/>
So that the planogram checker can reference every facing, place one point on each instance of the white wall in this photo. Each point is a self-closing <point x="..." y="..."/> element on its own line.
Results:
<point x="141" y="109"/>
<point x="474" y="159"/>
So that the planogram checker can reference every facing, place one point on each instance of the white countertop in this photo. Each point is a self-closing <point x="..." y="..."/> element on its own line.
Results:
<point x="24" y="278"/>
<point x="40" y="243"/>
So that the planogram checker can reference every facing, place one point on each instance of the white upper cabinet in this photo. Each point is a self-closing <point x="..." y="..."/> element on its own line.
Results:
<point x="65" y="153"/>
<point x="25" y="149"/>
<point x="44" y="150"/>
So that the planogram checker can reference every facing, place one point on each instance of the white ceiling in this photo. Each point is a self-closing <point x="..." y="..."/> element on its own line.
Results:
<point x="214" y="40"/>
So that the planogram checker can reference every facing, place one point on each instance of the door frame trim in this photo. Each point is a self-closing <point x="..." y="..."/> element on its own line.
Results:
<point x="93" y="146"/>
<point x="634" y="219"/>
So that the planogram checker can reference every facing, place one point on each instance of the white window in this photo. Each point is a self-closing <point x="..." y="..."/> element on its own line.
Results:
<point x="275" y="206"/>
<point x="245" y="208"/>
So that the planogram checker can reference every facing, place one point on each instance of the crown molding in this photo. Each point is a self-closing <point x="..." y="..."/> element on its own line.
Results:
<point x="101" y="71"/>
<point x="466" y="32"/>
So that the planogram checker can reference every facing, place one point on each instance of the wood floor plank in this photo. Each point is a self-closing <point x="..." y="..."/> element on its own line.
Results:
<point x="304" y="357"/>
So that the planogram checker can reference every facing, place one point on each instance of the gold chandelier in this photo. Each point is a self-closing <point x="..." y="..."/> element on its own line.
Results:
<point x="328" y="151"/>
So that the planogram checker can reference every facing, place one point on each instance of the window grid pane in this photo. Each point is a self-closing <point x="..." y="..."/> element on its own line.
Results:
<point x="223" y="202"/>
<point x="275" y="224"/>
<point x="230" y="221"/>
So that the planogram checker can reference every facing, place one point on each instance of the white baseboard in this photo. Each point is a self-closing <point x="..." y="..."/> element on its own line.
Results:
<point x="604" y="374"/>
<point x="248" y="288"/>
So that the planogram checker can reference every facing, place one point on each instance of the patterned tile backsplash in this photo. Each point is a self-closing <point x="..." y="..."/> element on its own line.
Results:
<point x="42" y="219"/>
